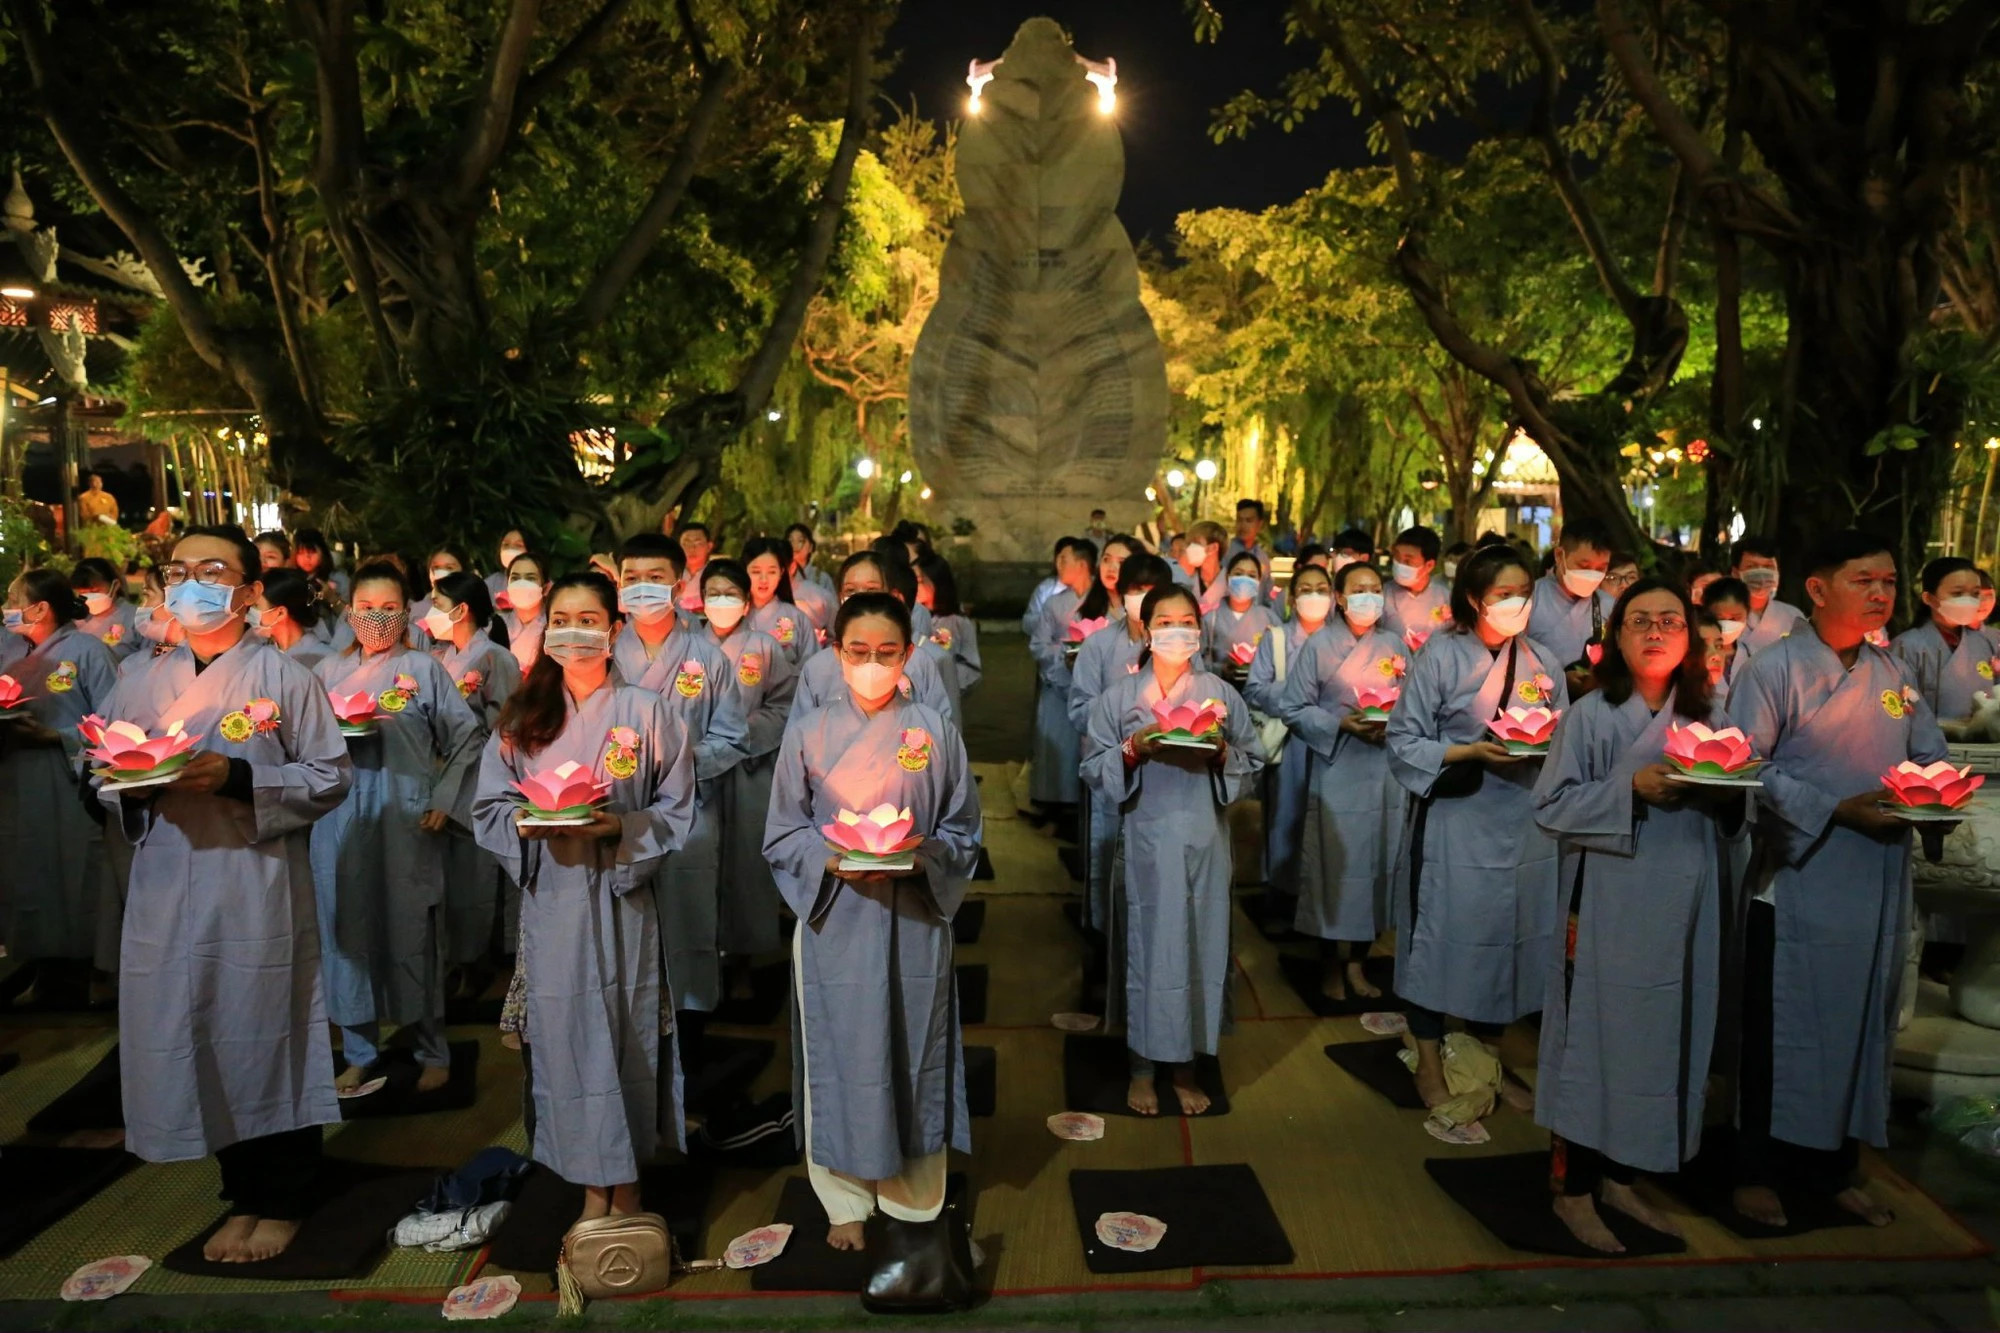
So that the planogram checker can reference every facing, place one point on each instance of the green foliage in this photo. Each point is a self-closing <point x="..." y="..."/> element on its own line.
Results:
<point x="108" y="541"/>
<point x="22" y="545"/>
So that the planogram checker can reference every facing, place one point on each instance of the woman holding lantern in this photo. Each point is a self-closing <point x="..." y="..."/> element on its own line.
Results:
<point x="1630" y="1010"/>
<point x="590" y="979"/>
<point x="1949" y="658"/>
<point x="1284" y="778"/>
<point x="1337" y="702"/>
<point x="1231" y="632"/>
<point x="1476" y="894"/>
<point x="877" y="1068"/>
<point x="1170" y="746"/>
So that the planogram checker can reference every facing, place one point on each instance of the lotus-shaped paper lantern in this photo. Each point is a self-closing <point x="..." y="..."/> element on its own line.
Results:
<point x="92" y="729"/>
<point x="10" y="694"/>
<point x="880" y="835"/>
<point x="1373" y="702"/>
<point x="567" y="791"/>
<point x="126" y="753"/>
<point x="1525" y="730"/>
<point x="1243" y="654"/>
<point x="354" y="711"/>
<point x="1079" y="630"/>
<point x="1933" y="788"/>
<point x="1189" y="722"/>
<point x="1693" y="748"/>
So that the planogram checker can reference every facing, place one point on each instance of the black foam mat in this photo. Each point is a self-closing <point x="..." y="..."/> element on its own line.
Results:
<point x="1304" y="972"/>
<point x="809" y="1263"/>
<point x="1097" y="1072"/>
<point x="968" y="921"/>
<point x="1216" y="1216"/>
<point x="94" y="1101"/>
<point x="984" y="870"/>
<point x="1708" y="1183"/>
<point x="41" y="1186"/>
<point x="8" y="1059"/>
<point x="972" y="985"/>
<point x="770" y="986"/>
<point x="400" y="1096"/>
<point x="728" y="1066"/>
<point x="1509" y="1195"/>
<point x="548" y="1206"/>
<point x="1375" y="1065"/>
<point x="982" y="1074"/>
<point x="360" y="1204"/>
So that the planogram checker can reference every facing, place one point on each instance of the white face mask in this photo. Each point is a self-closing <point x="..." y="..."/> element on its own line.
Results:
<point x="1341" y="562"/>
<point x="438" y="622"/>
<point x="1176" y="643"/>
<point x="871" y="680"/>
<point x="1197" y="554"/>
<point x="723" y="612"/>
<point x="524" y="594"/>
<point x="1507" y="617"/>
<point x="1364" y="608"/>
<point x="509" y="554"/>
<point x="1133" y="601"/>
<point x="98" y="603"/>
<point x="575" y="647"/>
<point x="1451" y="569"/>
<point x="1732" y="630"/>
<point x="1959" y="611"/>
<point x="1582" y="582"/>
<point x="1406" y="575"/>
<point x="1313" y="606"/>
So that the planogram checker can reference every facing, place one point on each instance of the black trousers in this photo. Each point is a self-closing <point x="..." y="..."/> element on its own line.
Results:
<point x="275" y="1176"/>
<point x="1761" y="1158"/>
<point x="1575" y="1170"/>
<point x="1428" y="1025"/>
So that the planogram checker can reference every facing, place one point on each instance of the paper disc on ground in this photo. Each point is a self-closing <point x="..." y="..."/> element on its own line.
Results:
<point x="758" y="1247"/>
<point x="1384" y="1024"/>
<point x="1134" y="1232"/>
<point x="1079" y="1126"/>
<point x="1074" y="1022"/>
<point x="1460" y="1136"/>
<point x="373" y="1085"/>
<point x="105" y="1278"/>
<point x="488" y="1298"/>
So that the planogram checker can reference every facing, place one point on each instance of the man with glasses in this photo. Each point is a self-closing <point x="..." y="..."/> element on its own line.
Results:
<point x="222" y="1034"/>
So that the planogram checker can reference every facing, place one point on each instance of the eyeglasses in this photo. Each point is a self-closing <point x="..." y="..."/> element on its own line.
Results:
<point x="1664" y="624"/>
<point x="857" y="655"/>
<point x="202" y="571"/>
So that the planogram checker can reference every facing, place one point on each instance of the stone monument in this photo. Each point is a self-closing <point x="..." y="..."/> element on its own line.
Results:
<point x="1037" y="389"/>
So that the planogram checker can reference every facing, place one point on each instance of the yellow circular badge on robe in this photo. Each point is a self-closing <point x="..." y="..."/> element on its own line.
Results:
<point x="688" y="684"/>
<point x="392" y="701"/>
<point x="236" y="727"/>
<point x="1985" y="670"/>
<point x="914" y="750"/>
<point x="63" y="679"/>
<point x="1892" y="704"/>
<point x="751" y="669"/>
<point x="621" y="752"/>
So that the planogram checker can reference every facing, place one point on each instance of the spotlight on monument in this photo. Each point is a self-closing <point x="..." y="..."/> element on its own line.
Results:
<point x="905" y="478"/>
<point x="774" y="415"/>
<point x="1205" y="470"/>
<point x="977" y="76"/>
<point x="1103" y="75"/>
<point x="1176" y="478"/>
<point x="865" y="468"/>
<point x="924" y="494"/>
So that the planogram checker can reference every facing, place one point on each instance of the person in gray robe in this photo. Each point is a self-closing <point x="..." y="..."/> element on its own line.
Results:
<point x="222" y="1032"/>
<point x="1630" y="1013"/>
<point x="1569" y="605"/>
<point x="1174" y="867"/>
<point x="878" y="1071"/>
<point x="774" y="606"/>
<point x="379" y="859"/>
<point x="51" y="853"/>
<point x="1283" y="781"/>
<point x="820" y="680"/>
<point x="1353" y="809"/>
<point x="658" y="651"/>
<point x="1239" y="623"/>
<point x="1754" y="561"/>
<point x="1828" y="923"/>
<point x="1052" y="760"/>
<point x="951" y="628"/>
<point x="1475" y="891"/>
<point x="108" y="617"/>
<point x="1418" y="595"/>
<point x="1949" y="661"/>
<point x="596" y="1013"/>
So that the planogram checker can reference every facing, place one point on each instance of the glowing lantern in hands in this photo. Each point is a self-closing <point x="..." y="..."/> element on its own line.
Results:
<point x="355" y="712"/>
<point x="1935" y="788"/>
<point x="565" y="792"/>
<point x="1189" y="722"/>
<point x="1525" y="730"/>
<point x="1243" y="654"/>
<point x="1372" y="703"/>
<point x="1693" y="748"/>
<point x="1079" y="630"/>
<point x="883" y="834"/>
<point x="128" y="754"/>
<point x="10" y="694"/>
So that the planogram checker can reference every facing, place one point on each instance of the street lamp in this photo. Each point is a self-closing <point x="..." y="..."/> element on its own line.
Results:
<point x="865" y="468"/>
<point x="1176" y="478"/>
<point x="1206" y="469"/>
<point x="905" y="478"/>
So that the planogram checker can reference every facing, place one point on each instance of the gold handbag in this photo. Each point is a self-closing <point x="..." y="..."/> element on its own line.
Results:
<point x="614" y="1256"/>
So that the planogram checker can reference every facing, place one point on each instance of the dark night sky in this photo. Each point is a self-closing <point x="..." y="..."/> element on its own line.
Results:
<point x="1168" y="89"/>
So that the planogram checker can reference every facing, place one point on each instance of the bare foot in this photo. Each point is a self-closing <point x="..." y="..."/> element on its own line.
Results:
<point x="596" y="1203"/>
<point x="269" y="1240"/>
<point x="1192" y="1099"/>
<point x="1859" y="1202"/>
<point x="350" y="1078"/>
<point x="1430" y="1075"/>
<point x="1358" y="982"/>
<point x="433" y="1077"/>
<point x="1517" y="1094"/>
<point x="228" y="1244"/>
<point x="846" y="1236"/>
<point x="1143" y="1097"/>
<point x="1579" y="1214"/>
<point x="1629" y="1202"/>
<point x="1333" y="985"/>
<point x="95" y="1138"/>
<point x="1760" y="1204"/>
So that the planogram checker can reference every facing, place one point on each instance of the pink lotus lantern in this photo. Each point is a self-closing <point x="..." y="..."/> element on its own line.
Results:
<point x="1079" y="630"/>
<point x="1934" y="789"/>
<point x="1372" y="703"/>
<point x="881" y="835"/>
<point x="127" y="754"/>
<point x="1243" y="654"/>
<point x="10" y="694"/>
<point x="568" y="791"/>
<point x="1525" y="730"/>
<point x="1189" y="723"/>
<point x="92" y="729"/>
<point x="1694" y="748"/>
<point x="355" y="712"/>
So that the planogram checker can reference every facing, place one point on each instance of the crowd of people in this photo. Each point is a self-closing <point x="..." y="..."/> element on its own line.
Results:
<point x="319" y="866"/>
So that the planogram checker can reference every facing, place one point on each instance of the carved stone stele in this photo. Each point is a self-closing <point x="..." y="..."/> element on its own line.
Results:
<point x="1037" y="389"/>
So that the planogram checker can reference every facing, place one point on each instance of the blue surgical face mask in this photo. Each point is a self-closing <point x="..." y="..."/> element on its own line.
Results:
<point x="1242" y="587"/>
<point x="14" y="620"/>
<point x="1175" y="643"/>
<point x="1364" y="608"/>
<point x="201" y="608"/>
<point x="646" y="601"/>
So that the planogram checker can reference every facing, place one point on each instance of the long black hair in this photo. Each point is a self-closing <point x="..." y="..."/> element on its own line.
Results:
<point x="780" y="550"/>
<point x="291" y="591"/>
<point x="48" y="585"/>
<point x="1096" y="603"/>
<point x="944" y="585"/>
<point x="1614" y="674"/>
<point x="1478" y="575"/>
<point x="533" y="715"/>
<point x="885" y="604"/>
<point x="468" y="590"/>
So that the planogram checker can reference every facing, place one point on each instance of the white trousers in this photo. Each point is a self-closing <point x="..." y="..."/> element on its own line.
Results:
<point x="915" y="1194"/>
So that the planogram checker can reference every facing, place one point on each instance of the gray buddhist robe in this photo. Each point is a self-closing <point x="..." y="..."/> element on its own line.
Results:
<point x="698" y="683"/>
<point x="1223" y="628"/>
<point x="959" y="636"/>
<point x="819" y="604"/>
<point x="381" y="878"/>
<point x="524" y="637"/>
<point x="1353" y="817"/>
<point x="222" y="1031"/>
<point x="51" y="853"/>
<point x="1776" y="621"/>
<point x="1563" y="623"/>
<point x="1415" y="616"/>
<point x="1173" y="870"/>
<point x="880" y="1006"/>
<point x="1627" y="1033"/>
<point x="486" y="675"/>
<point x="1052" y="778"/>
<point x="117" y="629"/>
<point x="592" y="968"/>
<point x="788" y="627"/>
<point x="1475" y="884"/>
<point x="1841" y="899"/>
<point x="1282" y="784"/>
<point x="1946" y="674"/>
<point x="1106" y="656"/>
<point x="765" y="682"/>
